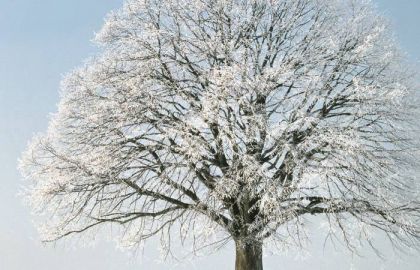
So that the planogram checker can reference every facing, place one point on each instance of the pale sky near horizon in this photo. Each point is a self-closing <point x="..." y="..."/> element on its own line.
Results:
<point x="42" y="40"/>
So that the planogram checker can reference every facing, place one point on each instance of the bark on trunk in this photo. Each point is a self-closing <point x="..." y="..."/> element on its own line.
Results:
<point x="248" y="256"/>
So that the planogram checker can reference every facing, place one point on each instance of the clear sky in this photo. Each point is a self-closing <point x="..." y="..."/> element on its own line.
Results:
<point x="42" y="40"/>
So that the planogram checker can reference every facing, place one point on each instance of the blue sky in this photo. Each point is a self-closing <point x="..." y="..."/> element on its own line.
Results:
<point x="42" y="40"/>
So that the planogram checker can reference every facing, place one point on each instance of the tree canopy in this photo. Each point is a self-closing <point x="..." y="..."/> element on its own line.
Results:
<point x="236" y="120"/>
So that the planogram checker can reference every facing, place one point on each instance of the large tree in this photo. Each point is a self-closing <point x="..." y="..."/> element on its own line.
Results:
<point x="233" y="119"/>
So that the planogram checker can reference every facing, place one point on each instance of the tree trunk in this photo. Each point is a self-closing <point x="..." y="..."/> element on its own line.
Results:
<point x="248" y="256"/>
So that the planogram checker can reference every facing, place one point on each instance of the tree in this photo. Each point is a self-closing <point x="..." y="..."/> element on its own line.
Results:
<point x="234" y="120"/>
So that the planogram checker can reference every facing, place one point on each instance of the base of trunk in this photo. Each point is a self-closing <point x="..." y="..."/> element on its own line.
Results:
<point x="248" y="256"/>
